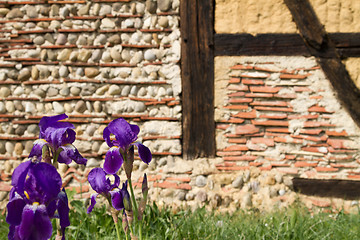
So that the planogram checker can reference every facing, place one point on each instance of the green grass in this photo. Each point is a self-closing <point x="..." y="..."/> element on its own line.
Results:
<point x="292" y="223"/>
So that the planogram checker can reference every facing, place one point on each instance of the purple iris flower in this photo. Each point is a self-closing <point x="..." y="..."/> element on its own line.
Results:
<point x="123" y="145"/>
<point x="35" y="198"/>
<point x="102" y="185"/>
<point x="58" y="137"/>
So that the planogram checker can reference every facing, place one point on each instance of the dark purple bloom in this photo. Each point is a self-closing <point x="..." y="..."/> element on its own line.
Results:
<point x="102" y="185"/>
<point x="35" y="197"/>
<point x="58" y="137"/>
<point x="125" y="137"/>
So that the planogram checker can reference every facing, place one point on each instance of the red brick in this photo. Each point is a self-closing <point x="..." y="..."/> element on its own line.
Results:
<point x="309" y="116"/>
<point x="326" y="169"/>
<point x="237" y="107"/>
<point x="302" y="89"/>
<point x="237" y="140"/>
<point x="246" y="129"/>
<point x="236" y="94"/>
<point x="255" y="164"/>
<point x="236" y="148"/>
<point x="278" y="130"/>
<point x="266" y="168"/>
<point x="332" y="150"/>
<point x="287" y="170"/>
<point x="253" y="76"/>
<point x="252" y="81"/>
<point x="343" y="133"/>
<point x="241" y="158"/>
<point x="274" y="109"/>
<point x="240" y="100"/>
<point x="165" y="184"/>
<point x="271" y="123"/>
<point x="270" y="103"/>
<point x="259" y="95"/>
<point x="336" y="165"/>
<point x="324" y="203"/>
<point x="286" y="95"/>
<point x="311" y="138"/>
<point x="305" y="164"/>
<point x="341" y="159"/>
<point x="180" y="179"/>
<point x="233" y="153"/>
<point x="239" y="88"/>
<point x="336" y="143"/>
<point x="293" y="76"/>
<point x="5" y="187"/>
<point x="318" y="109"/>
<point x="234" y="168"/>
<point x="318" y="124"/>
<point x="234" y="80"/>
<point x="311" y="131"/>
<point x="353" y="176"/>
<point x="315" y="149"/>
<point x="222" y="126"/>
<point x="265" y="89"/>
<point x="267" y="141"/>
<point x="184" y="186"/>
<point x="241" y="67"/>
<point x="278" y="116"/>
<point x="247" y="115"/>
<point x="264" y="69"/>
<point x="316" y="97"/>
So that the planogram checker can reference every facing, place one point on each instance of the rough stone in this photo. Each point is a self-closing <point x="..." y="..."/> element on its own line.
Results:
<point x="33" y="129"/>
<point x="61" y="39"/>
<point x="38" y="40"/>
<point x="114" y="90"/>
<point x="88" y="90"/>
<point x="115" y="54"/>
<point x="84" y="55"/>
<point x="201" y="196"/>
<point x="30" y="107"/>
<point x="104" y="10"/>
<point x="24" y="74"/>
<point x="15" y="13"/>
<point x="97" y="106"/>
<point x="64" y="55"/>
<point x="114" y="39"/>
<point x="91" y="72"/>
<point x="52" y="92"/>
<point x="102" y="90"/>
<point x="107" y="23"/>
<point x="9" y="146"/>
<point x="96" y="55"/>
<point x="68" y="108"/>
<point x="4" y="11"/>
<point x="64" y="91"/>
<point x="63" y="71"/>
<point x="39" y="92"/>
<point x="125" y="91"/>
<point x="20" y="130"/>
<point x="163" y="22"/>
<point x="58" y="108"/>
<point x="18" y="149"/>
<point x="2" y="148"/>
<point x="80" y="106"/>
<point x="2" y="107"/>
<point x="238" y="182"/>
<point x="4" y="92"/>
<point x="75" y="91"/>
<point x="149" y="55"/>
<point x="151" y="6"/>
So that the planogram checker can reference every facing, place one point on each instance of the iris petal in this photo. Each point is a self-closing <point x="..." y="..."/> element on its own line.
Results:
<point x="48" y="179"/>
<point x="117" y="199"/>
<point x="63" y="210"/>
<point x="35" y="223"/>
<point x="14" y="209"/>
<point x="97" y="180"/>
<point x="124" y="132"/>
<point x="46" y="122"/>
<point x="70" y="153"/>
<point x="92" y="202"/>
<point x="144" y="153"/>
<point x="106" y="136"/>
<point x="19" y="176"/>
<point x="37" y="148"/>
<point x="113" y="160"/>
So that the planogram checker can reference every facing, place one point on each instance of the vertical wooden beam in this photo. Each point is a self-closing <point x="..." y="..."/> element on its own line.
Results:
<point x="322" y="47"/>
<point x="197" y="73"/>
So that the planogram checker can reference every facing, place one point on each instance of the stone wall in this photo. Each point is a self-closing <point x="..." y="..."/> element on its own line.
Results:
<point x="276" y="117"/>
<point x="95" y="61"/>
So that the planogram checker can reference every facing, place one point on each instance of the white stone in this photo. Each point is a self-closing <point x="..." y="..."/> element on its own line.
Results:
<point x="58" y="108"/>
<point x="107" y="23"/>
<point x="149" y="55"/>
<point x="30" y="107"/>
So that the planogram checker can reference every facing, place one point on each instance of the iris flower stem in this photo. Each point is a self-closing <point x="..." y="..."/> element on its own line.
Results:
<point x="133" y="199"/>
<point x="115" y="219"/>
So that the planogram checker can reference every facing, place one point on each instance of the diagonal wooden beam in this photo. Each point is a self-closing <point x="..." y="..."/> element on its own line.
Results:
<point x="322" y="47"/>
